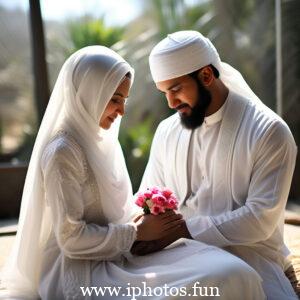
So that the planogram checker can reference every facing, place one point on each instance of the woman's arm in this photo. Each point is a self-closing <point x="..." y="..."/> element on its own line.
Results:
<point x="63" y="178"/>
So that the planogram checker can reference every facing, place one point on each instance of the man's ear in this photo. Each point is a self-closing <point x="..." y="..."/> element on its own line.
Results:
<point x="206" y="76"/>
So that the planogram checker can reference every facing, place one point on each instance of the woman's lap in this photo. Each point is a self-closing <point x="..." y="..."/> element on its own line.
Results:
<point x="188" y="265"/>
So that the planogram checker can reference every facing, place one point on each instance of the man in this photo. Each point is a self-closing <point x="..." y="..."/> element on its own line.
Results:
<point x="228" y="158"/>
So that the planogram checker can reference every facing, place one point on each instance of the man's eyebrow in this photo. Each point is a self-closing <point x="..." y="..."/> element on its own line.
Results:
<point x="170" y="87"/>
<point x="173" y="85"/>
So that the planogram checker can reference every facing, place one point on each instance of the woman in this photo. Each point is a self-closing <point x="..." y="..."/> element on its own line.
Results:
<point x="74" y="227"/>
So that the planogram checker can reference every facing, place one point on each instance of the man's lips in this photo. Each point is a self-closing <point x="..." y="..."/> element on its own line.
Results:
<point x="182" y="107"/>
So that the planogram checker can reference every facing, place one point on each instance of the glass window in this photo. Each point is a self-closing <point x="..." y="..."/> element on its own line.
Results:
<point x="17" y="111"/>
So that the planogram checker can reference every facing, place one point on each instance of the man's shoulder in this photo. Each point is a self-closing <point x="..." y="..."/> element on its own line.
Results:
<point x="256" y="110"/>
<point x="264" y="116"/>
<point x="261" y="121"/>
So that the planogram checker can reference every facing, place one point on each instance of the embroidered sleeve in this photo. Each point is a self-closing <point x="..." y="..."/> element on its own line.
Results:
<point x="64" y="175"/>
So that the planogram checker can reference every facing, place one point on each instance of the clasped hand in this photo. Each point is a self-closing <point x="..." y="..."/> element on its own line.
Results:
<point x="156" y="232"/>
<point x="151" y="227"/>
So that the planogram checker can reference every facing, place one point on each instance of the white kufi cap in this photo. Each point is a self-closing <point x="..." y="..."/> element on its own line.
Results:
<point x="181" y="53"/>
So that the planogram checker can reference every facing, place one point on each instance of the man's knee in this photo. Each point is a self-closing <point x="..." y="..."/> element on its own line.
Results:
<point x="236" y="278"/>
<point x="233" y="269"/>
<point x="244" y="271"/>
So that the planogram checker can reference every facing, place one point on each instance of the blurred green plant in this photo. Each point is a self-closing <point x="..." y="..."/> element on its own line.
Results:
<point x="89" y="31"/>
<point x="136" y="143"/>
<point x="174" y="15"/>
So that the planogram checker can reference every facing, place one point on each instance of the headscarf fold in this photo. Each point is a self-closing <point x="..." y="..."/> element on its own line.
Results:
<point x="84" y="86"/>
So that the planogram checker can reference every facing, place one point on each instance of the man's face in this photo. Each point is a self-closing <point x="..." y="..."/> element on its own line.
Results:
<point x="189" y="97"/>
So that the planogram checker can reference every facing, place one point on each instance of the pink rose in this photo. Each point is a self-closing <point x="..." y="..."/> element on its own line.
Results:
<point x="171" y="203"/>
<point x="140" y="201"/>
<point x="148" y="194"/>
<point x="155" y="190"/>
<point x="167" y="192"/>
<point x="157" y="209"/>
<point x="159" y="199"/>
<point x="155" y="200"/>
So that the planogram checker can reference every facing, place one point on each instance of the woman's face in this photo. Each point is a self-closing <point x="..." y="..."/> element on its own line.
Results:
<point x="116" y="105"/>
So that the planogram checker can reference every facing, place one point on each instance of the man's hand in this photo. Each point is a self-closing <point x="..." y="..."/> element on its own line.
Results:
<point x="146" y="247"/>
<point x="151" y="227"/>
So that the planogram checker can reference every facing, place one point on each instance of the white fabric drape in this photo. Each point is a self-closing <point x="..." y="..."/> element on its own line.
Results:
<point x="84" y="86"/>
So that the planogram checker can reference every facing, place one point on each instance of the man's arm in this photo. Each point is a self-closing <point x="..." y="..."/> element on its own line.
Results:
<point x="268" y="191"/>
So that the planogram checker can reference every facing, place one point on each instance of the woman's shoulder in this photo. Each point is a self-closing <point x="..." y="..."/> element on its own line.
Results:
<point x="63" y="148"/>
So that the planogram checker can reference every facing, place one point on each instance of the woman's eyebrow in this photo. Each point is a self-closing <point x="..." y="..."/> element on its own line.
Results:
<point x="119" y="94"/>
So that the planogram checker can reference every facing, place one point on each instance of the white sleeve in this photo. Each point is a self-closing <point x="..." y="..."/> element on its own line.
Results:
<point x="63" y="178"/>
<point x="267" y="195"/>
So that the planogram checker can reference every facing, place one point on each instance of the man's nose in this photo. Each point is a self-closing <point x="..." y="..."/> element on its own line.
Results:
<point x="173" y="102"/>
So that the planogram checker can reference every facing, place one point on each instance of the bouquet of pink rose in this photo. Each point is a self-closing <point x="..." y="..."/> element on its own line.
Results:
<point x="156" y="201"/>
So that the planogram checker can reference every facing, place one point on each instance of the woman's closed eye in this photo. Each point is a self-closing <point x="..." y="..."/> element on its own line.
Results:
<point x="119" y="101"/>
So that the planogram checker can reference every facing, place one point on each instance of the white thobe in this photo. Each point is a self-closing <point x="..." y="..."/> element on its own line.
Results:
<point x="232" y="177"/>
<point x="85" y="250"/>
<point x="202" y="152"/>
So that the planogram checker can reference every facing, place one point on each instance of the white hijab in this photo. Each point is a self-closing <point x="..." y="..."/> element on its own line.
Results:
<point x="84" y="86"/>
<point x="184" y="52"/>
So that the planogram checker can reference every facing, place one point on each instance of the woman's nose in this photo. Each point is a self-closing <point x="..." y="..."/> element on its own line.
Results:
<point x="121" y="109"/>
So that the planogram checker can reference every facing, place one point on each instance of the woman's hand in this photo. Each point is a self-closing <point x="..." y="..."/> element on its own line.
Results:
<point x="151" y="227"/>
<point x="146" y="247"/>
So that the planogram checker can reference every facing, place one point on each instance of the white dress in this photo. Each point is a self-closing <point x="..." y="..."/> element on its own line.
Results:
<point x="84" y="250"/>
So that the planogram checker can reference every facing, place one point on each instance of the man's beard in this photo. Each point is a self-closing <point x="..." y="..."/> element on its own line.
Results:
<point x="197" y="115"/>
